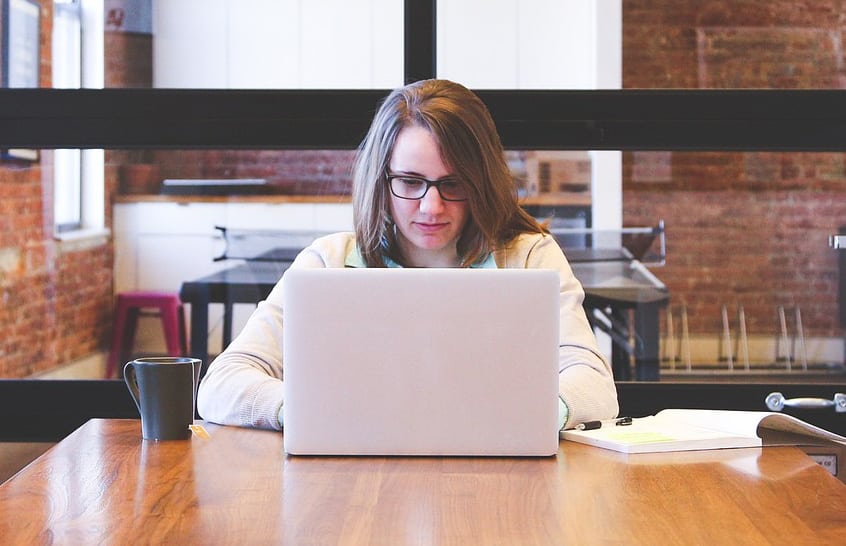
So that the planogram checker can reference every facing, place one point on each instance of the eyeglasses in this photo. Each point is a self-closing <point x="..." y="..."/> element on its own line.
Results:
<point x="415" y="187"/>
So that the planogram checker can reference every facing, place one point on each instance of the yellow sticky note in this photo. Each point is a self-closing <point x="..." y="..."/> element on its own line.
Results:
<point x="200" y="431"/>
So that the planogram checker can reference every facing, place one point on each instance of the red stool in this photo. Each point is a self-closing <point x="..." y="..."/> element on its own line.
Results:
<point x="128" y="307"/>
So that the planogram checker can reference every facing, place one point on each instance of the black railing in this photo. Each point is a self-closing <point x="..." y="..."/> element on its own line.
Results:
<point x="628" y="119"/>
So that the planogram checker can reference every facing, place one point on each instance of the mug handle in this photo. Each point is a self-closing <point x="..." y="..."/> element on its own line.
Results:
<point x="131" y="381"/>
<point x="196" y="368"/>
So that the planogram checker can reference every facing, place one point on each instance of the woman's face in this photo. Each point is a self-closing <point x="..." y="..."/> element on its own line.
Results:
<point x="427" y="229"/>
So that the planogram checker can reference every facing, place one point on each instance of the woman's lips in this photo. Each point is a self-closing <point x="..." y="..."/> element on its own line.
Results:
<point x="430" y="227"/>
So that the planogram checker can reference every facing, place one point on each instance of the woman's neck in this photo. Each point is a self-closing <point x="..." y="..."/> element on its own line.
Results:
<point x="418" y="257"/>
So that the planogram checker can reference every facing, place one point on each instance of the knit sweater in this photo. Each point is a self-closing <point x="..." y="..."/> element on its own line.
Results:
<point x="244" y="384"/>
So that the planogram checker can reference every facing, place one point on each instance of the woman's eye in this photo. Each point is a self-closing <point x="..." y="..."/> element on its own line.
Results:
<point x="412" y="182"/>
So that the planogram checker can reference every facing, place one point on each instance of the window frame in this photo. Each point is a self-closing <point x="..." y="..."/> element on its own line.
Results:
<point x="78" y="174"/>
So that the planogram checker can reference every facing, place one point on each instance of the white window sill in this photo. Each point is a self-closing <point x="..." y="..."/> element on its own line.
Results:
<point x="84" y="235"/>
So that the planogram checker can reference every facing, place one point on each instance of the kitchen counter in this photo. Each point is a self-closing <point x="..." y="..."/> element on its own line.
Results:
<point x="159" y="198"/>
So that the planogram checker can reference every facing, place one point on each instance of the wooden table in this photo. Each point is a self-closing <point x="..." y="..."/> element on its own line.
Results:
<point x="104" y="485"/>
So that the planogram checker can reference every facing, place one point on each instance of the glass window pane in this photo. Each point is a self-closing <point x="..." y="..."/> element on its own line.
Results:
<point x="748" y="266"/>
<point x="67" y="165"/>
<point x="753" y="45"/>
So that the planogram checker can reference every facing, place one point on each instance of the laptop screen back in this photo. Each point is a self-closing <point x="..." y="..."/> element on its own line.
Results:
<point x="421" y="361"/>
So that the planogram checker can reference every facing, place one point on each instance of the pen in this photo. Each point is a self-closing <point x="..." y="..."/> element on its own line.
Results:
<point x="593" y="425"/>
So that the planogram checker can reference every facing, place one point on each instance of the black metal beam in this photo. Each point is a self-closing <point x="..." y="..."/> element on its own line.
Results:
<point x="420" y="40"/>
<point x="796" y="120"/>
<point x="48" y="410"/>
<point x="40" y="410"/>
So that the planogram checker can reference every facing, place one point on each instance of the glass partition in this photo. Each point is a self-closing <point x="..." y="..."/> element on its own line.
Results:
<point x="752" y="281"/>
<point x="749" y="192"/>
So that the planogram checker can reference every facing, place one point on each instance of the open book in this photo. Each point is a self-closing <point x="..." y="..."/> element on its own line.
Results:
<point x="692" y="429"/>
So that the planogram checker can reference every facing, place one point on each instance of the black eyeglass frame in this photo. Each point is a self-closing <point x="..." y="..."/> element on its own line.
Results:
<point x="389" y="177"/>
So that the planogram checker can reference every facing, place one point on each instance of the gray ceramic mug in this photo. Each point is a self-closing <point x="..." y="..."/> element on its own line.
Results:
<point x="165" y="390"/>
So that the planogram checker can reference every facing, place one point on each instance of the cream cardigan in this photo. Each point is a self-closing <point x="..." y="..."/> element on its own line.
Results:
<point x="243" y="386"/>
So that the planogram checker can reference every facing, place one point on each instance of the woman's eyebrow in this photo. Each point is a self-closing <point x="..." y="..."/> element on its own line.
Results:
<point x="418" y="175"/>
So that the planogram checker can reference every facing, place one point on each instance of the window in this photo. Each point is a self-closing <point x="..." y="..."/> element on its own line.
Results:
<point x="78" y="204"/>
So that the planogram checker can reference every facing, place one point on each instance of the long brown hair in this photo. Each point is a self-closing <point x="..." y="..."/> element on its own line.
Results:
<point x="469" y="145"/>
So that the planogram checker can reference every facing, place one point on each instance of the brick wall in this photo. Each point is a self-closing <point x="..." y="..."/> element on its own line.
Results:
<point x="742" y="228"/>
<point x="302" y="172"/>
<point x="56" y="297"/>
<point x="28" y="272"/>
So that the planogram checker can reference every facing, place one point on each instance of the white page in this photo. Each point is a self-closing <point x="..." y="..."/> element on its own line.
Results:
<point x="738" y="423"/>
<point x="745" y="423"/>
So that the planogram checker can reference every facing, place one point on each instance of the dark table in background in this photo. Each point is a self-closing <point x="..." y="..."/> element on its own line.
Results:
<point x="612" y="281"/>
<point x="249" y="282"/>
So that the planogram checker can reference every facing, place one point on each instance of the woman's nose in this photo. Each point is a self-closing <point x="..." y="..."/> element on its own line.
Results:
<point x="431" y="202"/>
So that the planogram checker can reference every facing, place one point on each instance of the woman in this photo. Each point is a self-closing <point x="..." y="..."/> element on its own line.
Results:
<point x="430" y="189"/>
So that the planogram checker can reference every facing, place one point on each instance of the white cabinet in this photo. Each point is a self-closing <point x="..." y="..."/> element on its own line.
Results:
<point x="159" y="245"/>
<point x="277" y="44"/>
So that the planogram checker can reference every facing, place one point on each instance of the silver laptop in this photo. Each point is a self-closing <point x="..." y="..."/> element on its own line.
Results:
<point x="421" y="362"/>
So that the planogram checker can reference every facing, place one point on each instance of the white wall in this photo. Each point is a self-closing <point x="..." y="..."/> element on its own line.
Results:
<point x="518" y="44"/>
<point x="277" y="44"/>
